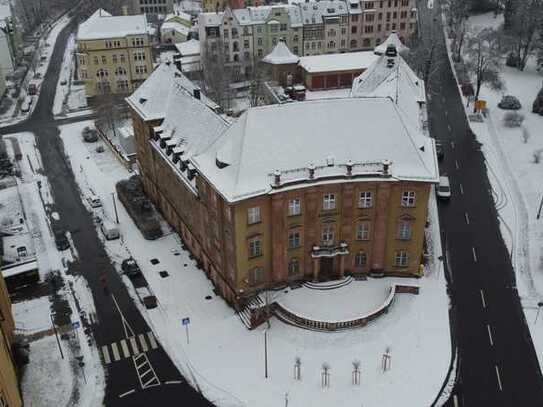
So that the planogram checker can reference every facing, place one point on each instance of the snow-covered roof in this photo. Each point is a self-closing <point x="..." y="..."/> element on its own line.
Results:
<point x="338" y="62"/>
<point x="314" y="11"/>
<point x="281" y="55"/>
<point x="327" y="134"/>
<point x="175" y="26"/>
<point x="211" y="19"/>
<point x="391" y="77"/>
<point x="178" y="14"/>
<point x="154" y="96"/>
<point x="190" y="47"/>
<point x="102" y="25"/>
<point x="392" y="39"/>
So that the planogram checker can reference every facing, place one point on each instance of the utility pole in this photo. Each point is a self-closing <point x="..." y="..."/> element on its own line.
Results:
<point x="115" y="207"/>
<point x="56" y="335"/>
<point x="266" y="353"/>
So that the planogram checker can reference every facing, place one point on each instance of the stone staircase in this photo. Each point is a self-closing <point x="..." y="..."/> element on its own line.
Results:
<point x="245" y="315"/>
<point x="329" y="285"/>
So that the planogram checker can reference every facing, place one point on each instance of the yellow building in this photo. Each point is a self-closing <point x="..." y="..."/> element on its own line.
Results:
<point x="9" y="390"/>
<point x="113" y="53"/>
<point x="301" y="191"/>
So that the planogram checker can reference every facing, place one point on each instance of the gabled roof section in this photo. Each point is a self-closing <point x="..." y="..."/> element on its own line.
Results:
<point x="326" y="134"/>
<point x="392" y="39"/>
<point x="102" y="25"/>
<point x="281" y="54"/>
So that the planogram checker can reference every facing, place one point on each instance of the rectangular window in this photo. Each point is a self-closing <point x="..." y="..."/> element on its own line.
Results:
<point x="370" y="17"/>
<point x="293" y="267"/>
<point x="363" y="231"/>
<point x="368" y="29"/>
<point x="253" y="215"/>
<point x="327" y="235"/>
<point x="274" y="28"/>
<point x="283" y="27"/>
<point x="404" y="231"/>
<point x="354" y="18"/>
<point x="368" y="5"/>
<point x="256" y="276"/>
<point x="294" y="207"/>
<point x="255" y="247"/>
<point x="122" y="59"/>
<point x="329" y="202"/>
<point x="365" y="200"/>
<point x="354" y="29"/>
<point x="95" y="60"/>
<point x="408" y="199"/>
<point x="401" y="259"/>
<point x="245" y="43"/>
<point x="104" y="60"/>
<point x="114" y="59"/>
<point x="294" y="240"/>
<point x="360" y="259"/>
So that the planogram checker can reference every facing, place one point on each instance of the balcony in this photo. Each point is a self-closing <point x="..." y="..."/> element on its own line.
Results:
<point x="329" y="251"/>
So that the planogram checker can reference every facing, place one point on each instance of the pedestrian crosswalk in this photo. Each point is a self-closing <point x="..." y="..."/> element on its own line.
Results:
<point x="131" y="346"/>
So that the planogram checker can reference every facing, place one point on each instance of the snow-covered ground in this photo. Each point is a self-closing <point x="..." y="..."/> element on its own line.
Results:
<point x="516" y="180"/>
<point x="33" y="315"/>
<point x="227" y="361"/>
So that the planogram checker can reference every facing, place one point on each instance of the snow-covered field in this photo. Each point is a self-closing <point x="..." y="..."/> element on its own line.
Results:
<point x="516" y="180"/>
<point x="227" y="361"/>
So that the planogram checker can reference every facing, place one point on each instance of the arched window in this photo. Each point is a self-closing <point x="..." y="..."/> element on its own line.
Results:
<point x="102" y="73"/>
<point x="293" y="266"/>
<point x="120" y="71"/>
<point x="360" y="259"/>
<point x="235" y="46"/>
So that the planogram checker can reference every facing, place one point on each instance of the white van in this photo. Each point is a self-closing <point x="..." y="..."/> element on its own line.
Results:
<point x="444" y="188"/>
<point x="110" y="230"/>
<point x="25" y="106"/>
<point x="94" y="201"/>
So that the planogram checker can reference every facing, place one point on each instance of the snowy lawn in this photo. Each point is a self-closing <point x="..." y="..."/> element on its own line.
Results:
<point x="227" y="361"/>
<point x="32" y="315"/>
<point x="516" y="180"/>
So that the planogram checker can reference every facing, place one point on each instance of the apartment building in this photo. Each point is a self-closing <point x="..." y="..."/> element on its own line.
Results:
<point x="151" y="7"/>
<point x="9" y="390"/>
<point x="308" y="28"/>
<point x="113" y="53"/>
<point x="290" y="192"/>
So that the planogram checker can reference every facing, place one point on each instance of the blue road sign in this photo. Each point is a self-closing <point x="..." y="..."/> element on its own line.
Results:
<point x="186" y="321"/>
<point x="76" y="325"/>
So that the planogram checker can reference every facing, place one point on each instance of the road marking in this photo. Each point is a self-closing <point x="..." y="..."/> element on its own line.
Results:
<point x="483" y="298"/>
<point x="446" y="112"/>
<point x="452" y="144"/>
<point x="124" y="347"/>
<point x="489" y="335"/>
<point x="467" y="217"/>
<point x="461" y="189"/>
<point x="449" y="127"/>
<point x="474" y="254"/>
<point x="105" y="352"/>
<point x="115" y="351"/>
<point x="455" y="399"/>
<point x="456" y="165"/>
<point x="499" y="379"/>
<point x="134" y="345"/>
<point x="152" y="340"/>
<point x="127" y="393"/>
<point x="173" y="382"/>
<point x="143" y="343"/>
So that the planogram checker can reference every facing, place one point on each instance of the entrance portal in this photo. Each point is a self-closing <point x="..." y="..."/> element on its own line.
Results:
<point x="327" y="271"/>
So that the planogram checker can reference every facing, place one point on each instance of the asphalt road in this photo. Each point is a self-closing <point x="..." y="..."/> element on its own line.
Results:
<point x="497" y="361"/>
<point x="122" y="377"/>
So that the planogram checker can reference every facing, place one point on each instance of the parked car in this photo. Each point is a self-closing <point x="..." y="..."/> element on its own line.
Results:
<point x="150" y="302"/>
<point x="130" y="267"/>
<point x="444" y="188"/>
<point x="27" y="102"/>
<point x="94" y="201"/>
<point x="61" y="240"/>
<point x="110" y="231"/>
<point x="439" y="150"/>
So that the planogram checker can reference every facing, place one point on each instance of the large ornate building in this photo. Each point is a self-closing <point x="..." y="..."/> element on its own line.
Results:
<point x="301" y="191"/>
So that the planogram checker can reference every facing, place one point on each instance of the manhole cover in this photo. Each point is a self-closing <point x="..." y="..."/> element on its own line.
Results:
<point x="163" y="274"/>
<point x="154" y="261"/>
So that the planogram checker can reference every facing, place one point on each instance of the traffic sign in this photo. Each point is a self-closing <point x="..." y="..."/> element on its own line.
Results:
<point x="186" y="321"/>
<point x="76" y="324"/>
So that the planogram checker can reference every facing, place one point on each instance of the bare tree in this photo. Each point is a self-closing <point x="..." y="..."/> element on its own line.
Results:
<point x="217" y="73"/>
<point x="111" y="111"/>
<point x="483" y="59"/>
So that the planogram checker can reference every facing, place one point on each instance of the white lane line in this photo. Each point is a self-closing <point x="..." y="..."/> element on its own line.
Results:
<point x="446" y="112"/>
<point x="143" y="343"/>
<point x="105" y="352"/>
<point x="499" y="378"/>
<point x="455" y="400"/>
<point x="449" y="127"/>
<point x="148" y="384"/>
<point x="489" y="335"/>
<point x="152" y="340"/>
<point x="173" y="382"/>
<point x="467" y="217"/>
<point x="456" y="165"/>
<point x="483" y="298"/>
<point x="474" y="254"/>
<point x="127" y="393"/>
<point x="461" y="189"/>
<point x="134" y="345"/>
<point x="124" y="347"/>
<point x="115" y="350"/>
<point x="452" y="144"/>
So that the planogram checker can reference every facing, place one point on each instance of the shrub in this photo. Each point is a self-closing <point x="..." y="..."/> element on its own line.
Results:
<point x="513" y="119"/>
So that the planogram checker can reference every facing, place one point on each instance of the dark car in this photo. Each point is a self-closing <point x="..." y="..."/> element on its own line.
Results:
<point x="150" y="302"/>
<point x="130" y="267"/>
<point x="439" y="150"/>
<point x="61" y="241"/>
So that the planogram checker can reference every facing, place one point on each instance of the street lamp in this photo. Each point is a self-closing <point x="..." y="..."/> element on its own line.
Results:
<point x="266" y="352"/>
<point x="56" y="334"/>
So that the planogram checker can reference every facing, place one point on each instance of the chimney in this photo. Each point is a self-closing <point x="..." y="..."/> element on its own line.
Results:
<point x="311" y="168"/>
<point x="349" y="168"/>
<point x="277" y="178"/>
<point x="196" y="93"/>
<point x="386" y="168"/>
